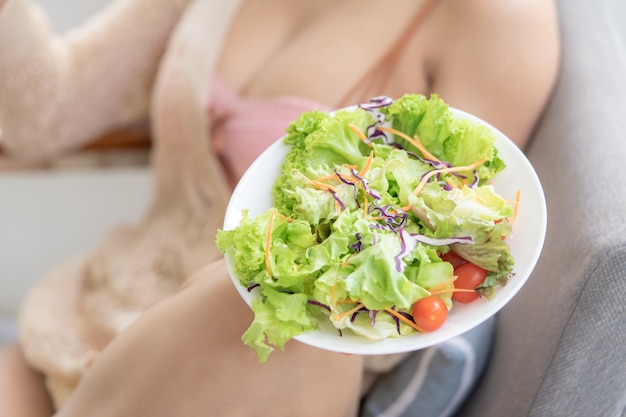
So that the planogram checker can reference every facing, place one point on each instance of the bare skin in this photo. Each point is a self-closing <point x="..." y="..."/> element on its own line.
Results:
<point x="484" y="56"/>
<point x="211" y="320"/>
<point x="497" y="59"/>
<point x="22" y="392"/>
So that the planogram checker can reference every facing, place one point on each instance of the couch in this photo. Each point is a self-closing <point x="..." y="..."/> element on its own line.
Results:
<point x="560" y="344"/>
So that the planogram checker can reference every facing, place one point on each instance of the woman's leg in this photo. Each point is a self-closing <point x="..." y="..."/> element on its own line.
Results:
<point x="185" y="357"/>
<point x="22" y="390"/>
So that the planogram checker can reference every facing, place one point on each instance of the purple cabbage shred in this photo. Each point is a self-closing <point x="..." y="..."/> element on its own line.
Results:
<point x="358" y="245"/>
<point x="366" y="186"/>
<point x="353" y="184"/>
<point x="373" y="314"/>
<point x="337" y="199"/>
<point x="476" y="179"/>
<point x="356" y="313"/>
<point x="317" y="303"/>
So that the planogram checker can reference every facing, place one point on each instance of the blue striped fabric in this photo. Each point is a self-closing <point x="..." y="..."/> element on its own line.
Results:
<point x="432" y="382"/>
<point x="8" y="331"/>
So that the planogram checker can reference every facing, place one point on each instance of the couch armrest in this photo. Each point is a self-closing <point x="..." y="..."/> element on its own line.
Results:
<point x="573" y="304"/>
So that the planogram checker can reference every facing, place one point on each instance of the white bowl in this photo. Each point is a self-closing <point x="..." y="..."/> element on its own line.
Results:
<point x="254" y="192"/>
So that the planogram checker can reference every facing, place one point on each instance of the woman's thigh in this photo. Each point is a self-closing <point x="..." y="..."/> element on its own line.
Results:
<point x="22" y="389"/>
<point x="185" y="357"/>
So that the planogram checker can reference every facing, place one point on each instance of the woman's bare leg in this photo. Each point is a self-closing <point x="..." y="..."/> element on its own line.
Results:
<point x="185" y="357"/>
<point x="22" y="390"/>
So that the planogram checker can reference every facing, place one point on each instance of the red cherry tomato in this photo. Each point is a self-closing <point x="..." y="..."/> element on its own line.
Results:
<point x="429" y="313"/>
<point x="453" y="258"/>
<point x="469" y="276"/>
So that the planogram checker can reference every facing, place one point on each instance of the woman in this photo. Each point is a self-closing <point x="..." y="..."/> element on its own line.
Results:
<point x="150" y="324"/>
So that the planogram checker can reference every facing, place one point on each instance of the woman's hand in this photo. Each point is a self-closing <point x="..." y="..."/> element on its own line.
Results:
<point x="185" y="357"/>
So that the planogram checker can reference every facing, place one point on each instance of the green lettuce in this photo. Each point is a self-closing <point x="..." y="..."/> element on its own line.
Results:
<point x="345" y="249"/>
<point x="456" y="140"/>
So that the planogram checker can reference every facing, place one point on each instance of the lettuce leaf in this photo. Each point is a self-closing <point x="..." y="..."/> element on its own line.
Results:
<point x="458" y="141"/>
<point x="477" y="212"/>
<point x="278" y="317"/>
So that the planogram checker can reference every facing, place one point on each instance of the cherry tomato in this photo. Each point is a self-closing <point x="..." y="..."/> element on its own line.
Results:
<point x="469" y="276"/>
<point x="429" y="313"/>
<point x="453" y="258"/>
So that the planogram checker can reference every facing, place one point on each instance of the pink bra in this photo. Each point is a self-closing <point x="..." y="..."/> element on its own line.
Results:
<point x="244" y="127"/>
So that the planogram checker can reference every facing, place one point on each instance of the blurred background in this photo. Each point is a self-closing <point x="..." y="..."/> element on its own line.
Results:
<point x="48" y="215"/>
<point x="66" y="14"/>
<point x="51" y="215"/>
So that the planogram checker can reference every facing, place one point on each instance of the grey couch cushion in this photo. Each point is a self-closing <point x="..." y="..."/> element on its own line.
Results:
<point x="591" y="359"/>
<point x="546" y="333"/>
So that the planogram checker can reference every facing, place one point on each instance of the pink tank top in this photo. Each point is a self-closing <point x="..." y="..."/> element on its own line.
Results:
<point x="244" y="127"/>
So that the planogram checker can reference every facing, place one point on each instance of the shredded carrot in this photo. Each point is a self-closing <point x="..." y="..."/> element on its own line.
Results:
<point x="405" y="320"/>
<point x="322" y="186"/>
<point x="368" y="164"/>
<point x="285" y="218"/>
<point x="328" y="177"/>
<point x="415" y="141"/>
<point x="349" y="312"/>
<point x="442" y="284"/>
<point x="318" y="184"/>
<point x="516" y="208"/>
<point x="345" y="176"/>
<point x="429" y="174"/>
<point x="451" y="182"/>
<point x="333" y="295"/>
<point x="394" y="211"/>
<point x="360" y="134"/>
<point x="268" y="244"/>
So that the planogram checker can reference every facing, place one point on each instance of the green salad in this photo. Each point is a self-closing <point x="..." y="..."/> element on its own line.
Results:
<point x="384" y="217"/>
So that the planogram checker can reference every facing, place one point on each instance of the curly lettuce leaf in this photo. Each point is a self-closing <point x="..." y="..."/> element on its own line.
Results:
<point x="458" y="141"/>
<point x="278" y="317"/>
<point x="318" y="143"/>
<point x="477" y="212"/>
